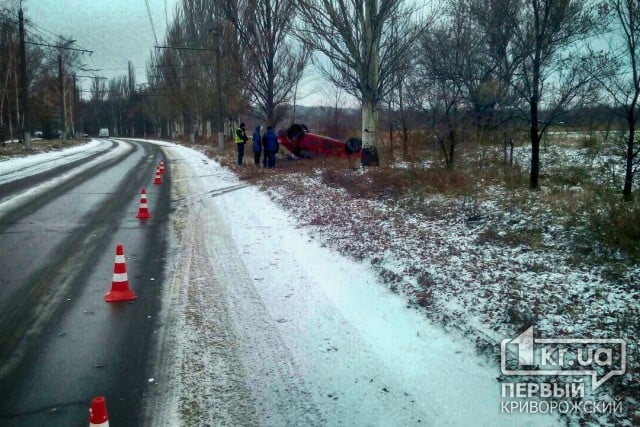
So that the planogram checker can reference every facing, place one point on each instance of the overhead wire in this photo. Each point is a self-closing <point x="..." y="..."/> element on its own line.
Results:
<point x="42" y="29"/>
<point x="153" y="28"/>
<point x="35" y="29"/>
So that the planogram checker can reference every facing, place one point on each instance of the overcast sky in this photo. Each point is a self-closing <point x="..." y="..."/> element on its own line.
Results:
<point x="116" y="30"/>
<point x="119" y="31"/>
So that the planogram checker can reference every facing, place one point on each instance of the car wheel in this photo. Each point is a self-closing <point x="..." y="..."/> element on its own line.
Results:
<point x="353" y="145"/>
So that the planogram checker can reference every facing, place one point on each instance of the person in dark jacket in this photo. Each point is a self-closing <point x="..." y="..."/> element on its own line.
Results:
<point x="241" y="140"/>
<point x="257" y="145"/>
<point x="266" y="153"/>
<point x="270" y="142"/>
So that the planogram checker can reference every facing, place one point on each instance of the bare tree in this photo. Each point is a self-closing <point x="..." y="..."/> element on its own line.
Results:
<point x="8" y="58"/>
<point x="495" y="40"/>
<point x="445" y="70"/>
<point x="333" y="122"/>
<point x="554" y="72"/>
<point x="98" y="90"/>
<point x="364" y="54"/>
<point x="492" y="94"/>
<point x="198" y="69"/>
<point x="623" y="86"/>
<point x="273" y="62"/>
<point x="396" y="96"/>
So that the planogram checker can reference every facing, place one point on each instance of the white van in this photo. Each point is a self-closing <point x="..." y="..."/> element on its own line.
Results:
<point x="103" y="133"/>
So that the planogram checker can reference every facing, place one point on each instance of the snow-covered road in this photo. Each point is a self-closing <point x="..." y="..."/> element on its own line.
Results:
<point x="21" y="167"/>
<point x="263" y="326"/>
<point x="30" y="166"/>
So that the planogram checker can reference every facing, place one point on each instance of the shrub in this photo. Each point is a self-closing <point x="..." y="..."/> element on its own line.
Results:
<point x="615" y="223"/>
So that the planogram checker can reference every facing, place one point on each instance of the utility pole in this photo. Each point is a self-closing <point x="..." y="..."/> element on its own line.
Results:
<point x="62" y="108"/>
<point x="217" y="34"/>
<point x="218" y="58"/>
<point x="220" y="123"/>
<point x="74" y="114"/>
<point x="26" y="134"/>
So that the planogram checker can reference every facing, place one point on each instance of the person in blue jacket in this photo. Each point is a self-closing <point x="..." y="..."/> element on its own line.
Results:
<point x="266" y="155"/>
<point x="257" y="145"/>
<point x="270" y="142"/>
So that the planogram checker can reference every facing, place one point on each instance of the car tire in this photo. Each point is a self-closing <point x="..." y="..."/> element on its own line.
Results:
<point x="296" y="131"/>
<point x="353" y="145"/>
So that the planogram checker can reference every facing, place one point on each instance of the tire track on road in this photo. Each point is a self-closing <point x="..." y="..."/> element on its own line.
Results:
<point x="40" y="299"/>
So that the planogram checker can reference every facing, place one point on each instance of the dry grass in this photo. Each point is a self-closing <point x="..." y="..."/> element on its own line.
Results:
<point x="613" y="223"/>
<point x="480" y="174"/>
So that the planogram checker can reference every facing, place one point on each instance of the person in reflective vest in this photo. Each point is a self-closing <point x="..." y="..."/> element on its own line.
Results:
<point x="241" y="139"/>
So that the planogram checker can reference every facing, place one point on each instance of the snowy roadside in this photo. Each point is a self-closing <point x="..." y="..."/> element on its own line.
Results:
<point x="467" y="277"/>
<point x="485" y="267"/>
<point x="264" y="326"/>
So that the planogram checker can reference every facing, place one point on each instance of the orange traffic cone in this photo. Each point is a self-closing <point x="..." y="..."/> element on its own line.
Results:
<point x="98" y="413"/>
<point x="120" y="285"/>
<point x="158" y="179"/>
<point x="143" y="211"/>
<point x="161" y="167"/>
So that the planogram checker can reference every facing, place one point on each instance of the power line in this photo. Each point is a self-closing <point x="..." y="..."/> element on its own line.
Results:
<point x="39" y="34"/>
<point x="185" y="48"/>
<point x="153" y="28"/>
<point x="41" y="29"/>
<point x="116" y="68"/>
<point x="172" y="65"/>
<point x="172" y="77"/>
<point x="100" y="90"/>
<point x="90" y="52"/>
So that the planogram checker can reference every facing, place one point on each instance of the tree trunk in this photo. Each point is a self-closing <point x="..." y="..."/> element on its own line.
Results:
<point x="403" y="120"/>
<point x="390" y="118"/>
<point x="370" y="120"/>
<point x="10" y="121"/>
<point x="335" y="114"/>
<point x="18" y="118"/>
<point x="370" y="101"/>
<point x="535" y="147"/>
<point x="4" y="95"/>
<point x="452" y="149"/>
<point x="628" y="176"/>
<point x="449" y="150"/>
<point x="535" y="97"/>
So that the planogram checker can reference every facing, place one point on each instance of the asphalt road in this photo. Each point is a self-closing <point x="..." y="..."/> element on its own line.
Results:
<point x="60" y="343"/>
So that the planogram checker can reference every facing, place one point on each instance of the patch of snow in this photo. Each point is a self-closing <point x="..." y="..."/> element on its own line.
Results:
<point x="319" y="340"/>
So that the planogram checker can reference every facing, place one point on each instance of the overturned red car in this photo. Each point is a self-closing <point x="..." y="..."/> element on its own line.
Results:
<point x="303" y="143"/>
